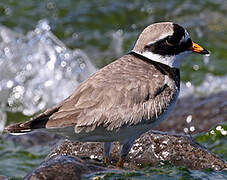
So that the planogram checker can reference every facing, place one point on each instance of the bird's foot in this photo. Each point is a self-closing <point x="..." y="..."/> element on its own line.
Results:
<point x="120" y="163"/>
<point x="106" y="161"/>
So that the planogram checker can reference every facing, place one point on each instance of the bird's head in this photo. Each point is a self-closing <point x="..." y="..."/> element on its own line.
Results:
<point x="166" y="43"/>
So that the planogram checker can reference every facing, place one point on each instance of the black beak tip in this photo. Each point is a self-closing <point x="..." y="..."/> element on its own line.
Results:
<point x="205" y="52"/>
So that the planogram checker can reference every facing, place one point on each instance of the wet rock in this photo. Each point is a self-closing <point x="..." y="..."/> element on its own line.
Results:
<point x="63" y="167"/>
<point x="179" y="150"/>
<point x="193" y="115"/>
<point x="91" y="150"/>
<point x="3" y="177"/>
<point x="151" y="148"/>
<point x="59" y="168"/>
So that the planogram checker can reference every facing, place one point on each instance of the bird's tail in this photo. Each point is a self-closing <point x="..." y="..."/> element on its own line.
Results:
<point x="38" y="122"/>
<point x="27" y="126"/>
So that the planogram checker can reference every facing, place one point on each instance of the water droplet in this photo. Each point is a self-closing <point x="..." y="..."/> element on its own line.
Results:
<point x="67" y="56"/>
<point x="188" y="84"/>
<point x="7" y="51"/>
<point x="44" y="25"/>
<point x="189" y="119"/>
<point x="192" y="128"/>
<point x="224" y="133"/>
<point x="9" y="84"/>
<point x="51" y="5"/>
<point x="206" y="59"/>
<point x="133" y="26"/>
<point x="42" y="105"/>
<point x="19" y="89"/>
<point x="75" y="36"/>
<point x="58" y="49"/>
<point x="165" y="154"/>
<point x="50" y="65"/>
<point x="196" y="67"/>
<point x="8" y="11"/>
<point x="212" y="132"/>
<point x="17" y="95"/>
<point x="48" y="83"/>
<point x="92" y="156"/>
<point x="29" y="67"/>
<point x="186" y="130"/>
<point x="82" y="65"/>
<point x="63" y="64"/>
<point x="149" y="10"/>
<point x="218" y="128"/>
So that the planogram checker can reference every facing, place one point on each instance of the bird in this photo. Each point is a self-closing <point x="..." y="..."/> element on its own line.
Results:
<point x="126" y="98"/>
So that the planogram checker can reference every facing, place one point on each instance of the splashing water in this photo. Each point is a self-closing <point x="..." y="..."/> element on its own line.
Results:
<point x="37" y="70"/>
<point x="2" y="120"/>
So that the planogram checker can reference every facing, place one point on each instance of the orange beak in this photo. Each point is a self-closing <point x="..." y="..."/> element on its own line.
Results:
<point x="198" y="49"/>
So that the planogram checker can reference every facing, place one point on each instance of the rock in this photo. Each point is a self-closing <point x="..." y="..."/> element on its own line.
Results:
<point x="151" y="148"/>
<point x="193" y="115"/>
<point x="59" y="168"/>
<point x="63" y="167"/>
<point x="179" y="150"/>
<point x="3" y="177"/>
<point x="92" y="150"/>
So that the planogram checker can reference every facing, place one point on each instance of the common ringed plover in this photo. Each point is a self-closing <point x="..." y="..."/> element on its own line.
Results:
<point x="125" y="98"/>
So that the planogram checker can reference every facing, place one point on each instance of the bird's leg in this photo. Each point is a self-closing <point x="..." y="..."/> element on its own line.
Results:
<point x="125" y="148"/>
<point x="107" y="146"/>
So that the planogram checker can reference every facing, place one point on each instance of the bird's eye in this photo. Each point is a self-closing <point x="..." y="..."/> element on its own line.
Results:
<point x="171" y="41"/>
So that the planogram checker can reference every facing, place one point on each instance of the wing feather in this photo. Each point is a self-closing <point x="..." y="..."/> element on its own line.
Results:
<point x="124" y="92"/>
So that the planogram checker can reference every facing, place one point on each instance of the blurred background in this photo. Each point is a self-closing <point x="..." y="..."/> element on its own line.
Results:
<point x="47" y="47"/>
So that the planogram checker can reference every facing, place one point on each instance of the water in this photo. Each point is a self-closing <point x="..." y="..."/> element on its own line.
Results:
<point x="48" y="47"/>
<point x="25" y="86"/>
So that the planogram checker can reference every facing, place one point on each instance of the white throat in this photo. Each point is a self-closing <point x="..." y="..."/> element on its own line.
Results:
<point x="173" y="61"/>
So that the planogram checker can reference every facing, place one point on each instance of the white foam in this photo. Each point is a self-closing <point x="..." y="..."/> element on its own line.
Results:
<point x="37" y="70"/>
<point x="2" y="120"/>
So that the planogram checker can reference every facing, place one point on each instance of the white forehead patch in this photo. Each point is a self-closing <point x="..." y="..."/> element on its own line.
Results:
<point x="186" y="35"/>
